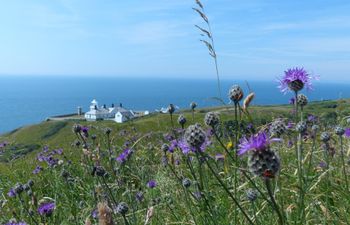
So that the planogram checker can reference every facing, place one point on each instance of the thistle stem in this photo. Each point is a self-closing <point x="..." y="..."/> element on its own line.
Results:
<point x="343" y="162"/>
<point x="274" y="204"/>
<point x="228" y="191"/>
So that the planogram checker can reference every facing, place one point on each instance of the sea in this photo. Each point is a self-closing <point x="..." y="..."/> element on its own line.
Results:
<point x="26" y="100"/>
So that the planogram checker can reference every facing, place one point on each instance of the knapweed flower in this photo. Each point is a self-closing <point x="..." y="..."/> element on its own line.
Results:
<point x="295" y="79"/>
<point x="124" y="156"/>
<point x="46" y="208"/>
<point x="211" y="119"/>
<point x="235" y="94"/>
<point x="11" y="193"/>
<point x="347" y="132"/>
<point x="139" y="196"/>
<point x="256" y="143"/>
<point x="15" y="223"/>
<point x="152" y="184"/>
<point x="193" y="105"/>
<point x="195" y="136"/>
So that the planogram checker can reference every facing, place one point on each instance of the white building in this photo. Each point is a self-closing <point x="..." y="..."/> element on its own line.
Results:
<point x="118" y="114"/>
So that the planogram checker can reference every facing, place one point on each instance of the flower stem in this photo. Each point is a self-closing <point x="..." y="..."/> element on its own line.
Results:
<point x="274" y="204"/>
<point x="343" y="162"/>
<point x="228" y="191"/>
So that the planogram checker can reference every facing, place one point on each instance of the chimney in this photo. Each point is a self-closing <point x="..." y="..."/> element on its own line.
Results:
<point x="112" y="105"/>
<point x="96" y="107"/>
<point x="104" y="106"/>
<point x="121" y="105"/>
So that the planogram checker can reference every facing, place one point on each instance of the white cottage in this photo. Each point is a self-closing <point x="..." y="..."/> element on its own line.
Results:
<point x="118" y="114"/>
<point x="122" y="115"/>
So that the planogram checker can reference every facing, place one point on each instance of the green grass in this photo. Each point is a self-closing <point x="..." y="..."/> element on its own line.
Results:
<point x="77" y="196"/>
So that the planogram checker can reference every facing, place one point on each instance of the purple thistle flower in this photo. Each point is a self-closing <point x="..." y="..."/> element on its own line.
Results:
<point x="124" y="156"/>
<point x="11" y="193"/>
<point x="46" y="209"/>
<point x="139" y="196"/>
<point x="295" y="75"/>
<point x="37" y="169"/>
<point x="152" y="184"/>
<point x="256" y="142"/>
<point x="219" y="157"/>
<point x="15" y="223"/>
<point x="292" y="101"/>
<point x="347" y="132"/>
<point x="94" y="214"/>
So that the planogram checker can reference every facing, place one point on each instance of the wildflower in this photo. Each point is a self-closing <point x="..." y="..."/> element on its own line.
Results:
<point x="256" y="142"/>
<point x="229" y="145"/>
<point x="292" y="101"/>
<point x="46" y="209"/>
<point x="212" y="119"/>
<point x="315" y="128"/>
<point x="171" y="108"/>
<point x="124" y="156"/>
<point x="107" y="131"/>
<point x="122" y="208"/>
<point x="76" y="128"/>
<point x="186" y="182"/>
<point x="11" y="193"/>
<point x="251" y="195"/>
<point x="302" y="100"/>
<point x="339" y="130"/>
<point x="219" y="157"/>
<point x="195" y="136"/>
<point x="347" y="132"/>
<point x="139" y="196"/>
<point x="235" y="93"/>
<point x="18" y="188"/>
<point x="165" y="148"/>
<point x="11" y="222"/>
<point x="152" y="184"/>
<point x="325" y="137"/>
<point x="295" y="79"/>
<point x="193" y="105"/>
<point x="181" y="120"/>
<point x="311" y="118"/>
<point x="277" y="128"/>
<point x="301" y="127"/>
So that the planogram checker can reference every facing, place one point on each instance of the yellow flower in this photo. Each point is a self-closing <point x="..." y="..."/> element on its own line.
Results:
<point x="229" y="145"/>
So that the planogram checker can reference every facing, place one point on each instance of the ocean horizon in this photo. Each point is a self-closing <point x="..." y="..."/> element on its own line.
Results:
<point x="28" y="100"/>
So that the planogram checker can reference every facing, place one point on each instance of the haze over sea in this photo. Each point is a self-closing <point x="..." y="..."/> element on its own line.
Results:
<point x="26" y="100"/>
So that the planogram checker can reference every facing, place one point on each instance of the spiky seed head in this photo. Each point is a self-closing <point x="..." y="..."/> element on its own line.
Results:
<point x="76" y="128"/>
<point x="171" y="108"/>
<point x="325" y="137"/>
<point x="108" y="131"/>
<point x="165" y="147"/>
<point x="264" y="163"/>
<point x="193" y="105"/>
<point x="315" y="128"/>
<point x="301" y="127"/>
<point x="212" y="119"/>
<point x="251" y="195"/>
<point x="278" y="128"/>
<point x="195" y="136"/>
<point x="100" y="171"/>
<point x="235" y="93"/>
<point x="296" y="85"/>
<point x="339" y="130"/>
<point x="26" y="187"/>
<point x="18" y="188"/>
<point x="302" y="100"/>
<point x="122" y="208"/>
<point x="186" y="182"/>
<point x="181" y="120"/>
<point x="30" y="183"/>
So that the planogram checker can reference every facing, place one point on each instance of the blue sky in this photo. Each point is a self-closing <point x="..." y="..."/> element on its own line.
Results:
<point x="255" y="39"/>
